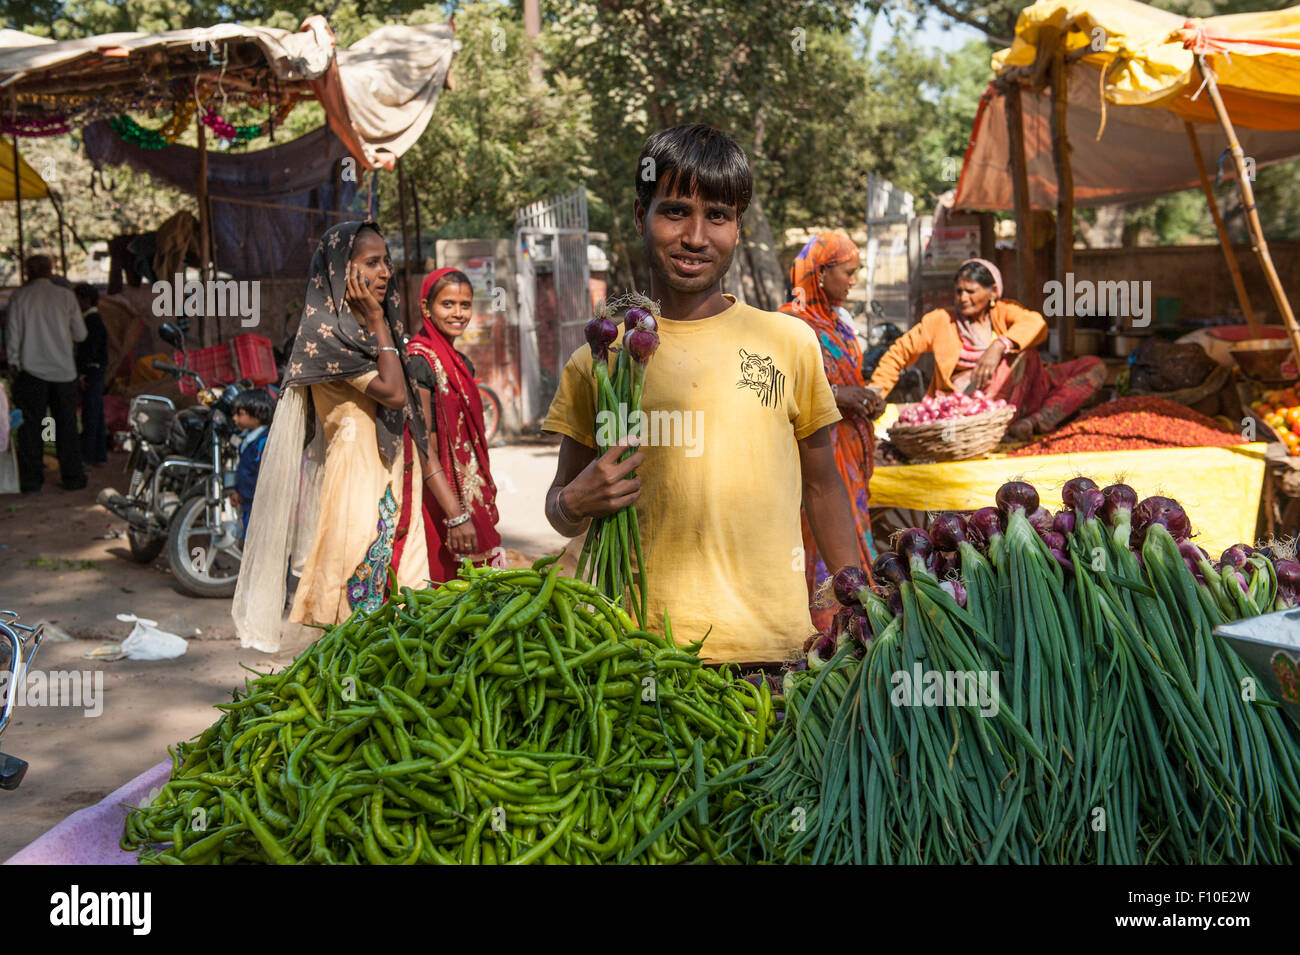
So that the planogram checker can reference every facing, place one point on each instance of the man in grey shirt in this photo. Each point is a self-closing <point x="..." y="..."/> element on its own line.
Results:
<point x="44" y="322"/>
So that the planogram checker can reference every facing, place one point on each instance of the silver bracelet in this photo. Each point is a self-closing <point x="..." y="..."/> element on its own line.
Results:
<point x="565" y="516"/>
<point x="456" y="521"/>
<point x="390" y="348"/>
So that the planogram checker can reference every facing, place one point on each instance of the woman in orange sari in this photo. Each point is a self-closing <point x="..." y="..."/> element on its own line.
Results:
<point x="820" y="280"/>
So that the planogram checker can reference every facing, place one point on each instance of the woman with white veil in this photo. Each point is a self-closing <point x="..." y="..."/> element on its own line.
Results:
<point x="339" y="490"/>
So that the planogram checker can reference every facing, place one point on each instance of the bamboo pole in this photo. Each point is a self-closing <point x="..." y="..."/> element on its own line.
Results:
<point x="1020" y="181"/>
<point x="1234" y="267"/>
<point x="415" y="215"/>
<point x="1064" y="200"/>
<point x="207" y="330"/>
<point x="1258" y="243"/>
<point x="63" y="254"/>
<point x="18" y="211"/>
<point x="406" y="248"/>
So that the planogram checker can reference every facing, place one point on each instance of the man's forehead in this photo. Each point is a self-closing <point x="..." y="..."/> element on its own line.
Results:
<point x="679" y="192"/>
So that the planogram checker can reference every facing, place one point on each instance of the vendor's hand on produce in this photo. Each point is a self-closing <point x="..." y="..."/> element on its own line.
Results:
<point x="362" y="300"/>
<point x="987" y="365"/>
<point x="462" y="540"/>
<point x="854" y="399"/>
<point x="604" y="486"/>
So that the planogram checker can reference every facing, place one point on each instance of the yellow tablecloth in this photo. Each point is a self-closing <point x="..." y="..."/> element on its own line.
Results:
<point x="1219" y="488"/>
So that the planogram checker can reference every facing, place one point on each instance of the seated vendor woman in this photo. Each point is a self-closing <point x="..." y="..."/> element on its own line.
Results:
<point x="991" y="344"/>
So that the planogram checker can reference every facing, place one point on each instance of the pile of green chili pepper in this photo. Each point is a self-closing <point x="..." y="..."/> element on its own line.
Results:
<point x="508" y="716"/>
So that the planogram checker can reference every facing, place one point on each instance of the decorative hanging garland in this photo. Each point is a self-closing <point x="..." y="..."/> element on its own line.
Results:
<point x="34" y="126"/>
<point x="240" y="135"/>
<point x="168" y="133"/>
<point x="182" y="115"/>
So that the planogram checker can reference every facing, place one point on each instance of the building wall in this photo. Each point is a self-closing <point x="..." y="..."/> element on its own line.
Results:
<point x="548" y="325"/>
<point x="492" y="340"/>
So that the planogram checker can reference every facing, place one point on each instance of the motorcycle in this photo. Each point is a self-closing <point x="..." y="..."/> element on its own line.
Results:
<point x="16" y="655"/>
<point x="179" y="497"/>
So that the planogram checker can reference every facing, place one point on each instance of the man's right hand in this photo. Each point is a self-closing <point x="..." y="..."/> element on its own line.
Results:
<point x="604" y="486"/>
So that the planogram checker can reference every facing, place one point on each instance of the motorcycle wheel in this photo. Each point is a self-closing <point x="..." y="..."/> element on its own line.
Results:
<point x="145" y="546"/>
<point x="199" y="570"/>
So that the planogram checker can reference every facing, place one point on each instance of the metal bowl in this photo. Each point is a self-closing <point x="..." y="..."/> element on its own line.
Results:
<point x="1262" y="358"/>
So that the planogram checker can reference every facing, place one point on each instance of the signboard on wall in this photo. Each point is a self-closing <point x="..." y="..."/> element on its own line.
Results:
<point x="950" y="246"/>
<point x="482" y="275"/>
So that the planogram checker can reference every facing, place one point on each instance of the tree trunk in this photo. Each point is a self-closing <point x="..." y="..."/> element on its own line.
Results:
<point x="763" y="267"/>
<point x="1107" y="232"/>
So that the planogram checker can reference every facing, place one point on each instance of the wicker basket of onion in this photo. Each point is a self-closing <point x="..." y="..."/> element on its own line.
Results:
<point x="951" y="427"/>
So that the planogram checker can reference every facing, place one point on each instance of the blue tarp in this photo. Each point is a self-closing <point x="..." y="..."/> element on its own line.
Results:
<point x="251" y="241"/>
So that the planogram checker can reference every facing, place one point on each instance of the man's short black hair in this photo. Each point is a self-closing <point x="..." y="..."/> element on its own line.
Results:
<point x="256" y="402"/>
<point x="695" y="160"/>
<point x="87" y="293"/>
<point x="39" y="266"/>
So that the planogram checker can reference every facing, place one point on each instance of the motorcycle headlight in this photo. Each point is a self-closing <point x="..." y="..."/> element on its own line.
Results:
<point x="208" y="396"/>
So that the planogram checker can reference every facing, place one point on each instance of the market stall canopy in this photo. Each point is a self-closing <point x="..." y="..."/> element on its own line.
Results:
<point x="378" y="94"/>
<point x="33" y="186"/>
<point x="1132" y="84"/>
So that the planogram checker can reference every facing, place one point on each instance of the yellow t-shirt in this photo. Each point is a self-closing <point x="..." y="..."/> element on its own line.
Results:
<point x="726" y="399"/>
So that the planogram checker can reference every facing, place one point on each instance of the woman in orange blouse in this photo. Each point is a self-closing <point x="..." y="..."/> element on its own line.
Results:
<point x="992" y="344"/>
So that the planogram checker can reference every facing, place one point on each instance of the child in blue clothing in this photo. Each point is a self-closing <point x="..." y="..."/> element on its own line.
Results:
<point x="251" y="413"/>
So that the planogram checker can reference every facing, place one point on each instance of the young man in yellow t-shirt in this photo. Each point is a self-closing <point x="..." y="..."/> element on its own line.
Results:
<point x="738" y="409"/>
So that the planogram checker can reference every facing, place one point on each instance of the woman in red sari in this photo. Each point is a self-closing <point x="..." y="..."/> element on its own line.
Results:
<point x="820" y="280"/>
<point x="460" y="511"/>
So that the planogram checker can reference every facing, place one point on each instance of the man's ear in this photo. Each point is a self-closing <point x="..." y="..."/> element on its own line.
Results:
<point x="638" y="216"/>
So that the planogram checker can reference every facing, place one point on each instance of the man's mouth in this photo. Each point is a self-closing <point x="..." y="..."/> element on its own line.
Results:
<point x="691" y="264"/>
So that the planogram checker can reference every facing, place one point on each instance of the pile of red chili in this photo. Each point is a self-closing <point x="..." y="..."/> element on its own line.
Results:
<point x="1133" y="424"/>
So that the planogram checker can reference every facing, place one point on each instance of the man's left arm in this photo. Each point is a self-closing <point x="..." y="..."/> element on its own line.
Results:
<point x="826" y="501"/>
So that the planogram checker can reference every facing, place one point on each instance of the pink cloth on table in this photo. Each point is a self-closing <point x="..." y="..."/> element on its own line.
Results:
<point x="91" y="836"/>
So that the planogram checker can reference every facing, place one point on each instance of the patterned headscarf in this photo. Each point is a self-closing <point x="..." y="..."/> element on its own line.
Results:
<point x="332" y="344"/>
<point x="823" y="250"/>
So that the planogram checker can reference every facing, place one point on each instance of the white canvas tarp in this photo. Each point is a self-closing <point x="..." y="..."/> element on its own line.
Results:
<point x="378" y="94"/>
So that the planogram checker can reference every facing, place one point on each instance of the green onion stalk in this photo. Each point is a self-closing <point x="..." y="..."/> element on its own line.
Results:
<point x="614" y="541"/>
<point x="1121" y="733"/>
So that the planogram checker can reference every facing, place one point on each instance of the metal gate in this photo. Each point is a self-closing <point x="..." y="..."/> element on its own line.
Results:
<point x="551" y="236"/>
<point x="891" y="249"/>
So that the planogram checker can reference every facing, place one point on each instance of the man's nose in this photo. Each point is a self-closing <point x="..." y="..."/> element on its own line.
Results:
<point x="695" y="234"/>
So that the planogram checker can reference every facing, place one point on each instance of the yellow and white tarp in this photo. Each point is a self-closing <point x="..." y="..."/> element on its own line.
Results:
<point x="33" y="186"/>
<point x="1219" y="488"/>
<point x="1130" y="95"/>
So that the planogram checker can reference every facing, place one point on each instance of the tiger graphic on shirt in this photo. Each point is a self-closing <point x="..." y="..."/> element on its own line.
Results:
<point x="759" y="374"/>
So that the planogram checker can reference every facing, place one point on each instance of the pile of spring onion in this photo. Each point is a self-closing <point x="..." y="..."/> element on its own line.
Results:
<point x="512" y="717"/>
<point x="612" y="541"/>
<point x="1118" y="729"/>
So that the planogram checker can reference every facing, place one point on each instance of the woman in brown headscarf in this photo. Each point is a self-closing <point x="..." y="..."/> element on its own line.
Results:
<point x="348" y="510"/>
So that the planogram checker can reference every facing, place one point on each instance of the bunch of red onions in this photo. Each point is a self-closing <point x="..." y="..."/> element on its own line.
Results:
<point x="942" y="407"/>
<point x="937" y="550"/>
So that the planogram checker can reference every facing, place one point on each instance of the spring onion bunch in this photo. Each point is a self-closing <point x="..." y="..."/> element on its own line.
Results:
<point x="1117" y="730"/>
<point x="613" y="540"/>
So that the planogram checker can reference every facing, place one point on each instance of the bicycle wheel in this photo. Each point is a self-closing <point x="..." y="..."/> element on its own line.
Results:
<point x="491" y="412"/>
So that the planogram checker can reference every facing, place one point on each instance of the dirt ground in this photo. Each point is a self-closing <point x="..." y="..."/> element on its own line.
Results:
<point x="60" y="564"/>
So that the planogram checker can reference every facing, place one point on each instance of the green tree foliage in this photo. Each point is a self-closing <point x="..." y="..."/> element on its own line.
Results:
<point x="499" y="139"/>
